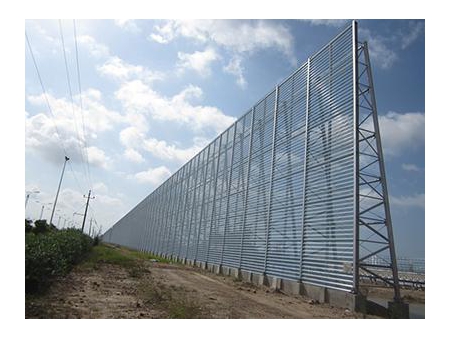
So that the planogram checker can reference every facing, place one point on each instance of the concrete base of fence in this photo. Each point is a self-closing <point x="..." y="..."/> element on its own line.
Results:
<point x="225" y="270"/>
<point x="321" y="294"/>
<point x="246" y="276"/>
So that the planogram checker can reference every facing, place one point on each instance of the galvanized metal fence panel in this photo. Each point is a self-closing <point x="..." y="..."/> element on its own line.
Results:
<point x="272" y="194"/>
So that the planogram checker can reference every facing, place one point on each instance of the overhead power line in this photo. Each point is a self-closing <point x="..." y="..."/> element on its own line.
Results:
<point x="72" y="104"/>
<point x="45" y="94"/>
<point x="81" y="103"/>
<point x="52" y="116"/>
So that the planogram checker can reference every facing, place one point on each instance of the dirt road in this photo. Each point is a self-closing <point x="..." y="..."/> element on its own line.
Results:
<point x="165" y="290"/>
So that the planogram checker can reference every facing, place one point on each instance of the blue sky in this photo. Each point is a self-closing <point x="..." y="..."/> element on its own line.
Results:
<point x="155" y="92"/>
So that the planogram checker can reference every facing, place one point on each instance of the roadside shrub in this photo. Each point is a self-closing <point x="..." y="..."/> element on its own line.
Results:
<point x="28" y="227"/>
<point x="51" y="254"/>
<point x="41" y="226"/>
<point x="96" y="240"/>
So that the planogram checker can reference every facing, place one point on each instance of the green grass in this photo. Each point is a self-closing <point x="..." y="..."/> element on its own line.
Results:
<point x="184" y="309"/>
<point x="170" y="299"/>
<point x="148" y="256"/>
<point x="106" y="254"/>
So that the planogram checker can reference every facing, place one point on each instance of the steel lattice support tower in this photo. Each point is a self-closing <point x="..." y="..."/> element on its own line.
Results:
<point x="373" y="228"/>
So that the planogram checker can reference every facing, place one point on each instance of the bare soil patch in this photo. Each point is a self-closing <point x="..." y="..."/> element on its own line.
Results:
<point x="146" y="289"/>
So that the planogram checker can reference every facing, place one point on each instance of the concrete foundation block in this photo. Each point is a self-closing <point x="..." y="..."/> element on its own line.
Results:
<point x="314" y="292"/>
<point x="274" y="283"/>
<point x="290" y="286"/>
<point x="398" y="310"/>
<point x="346" y="300"/>
<point x="217" y="269"/>
<point x="225" y="270"/>
<point x="210" y="267"/>
<point x="235" y="272"/>
<point x="256" y="278"/>
<point x="246" y="276"/>
<point x="203" y="265"/>
<point x="262" y="280"/>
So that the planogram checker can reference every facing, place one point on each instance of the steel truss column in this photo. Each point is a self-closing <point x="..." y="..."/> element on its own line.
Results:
<point x="203" y="202"/>
<point x="177" y="211"/>
<point x="374" y="228"/>
<point x="214" y="196"/>
<point x="355" y="160"/>
<point x="305" y="154"/>
<point x="228" y="193"/>
<point x="196" y="160"/>
<point x="187" y="181"/>
<point x="146" y="235"/>
<point x="248" y="183"/>
<point x="272" y="167"/>
<point x="161" y="219"/>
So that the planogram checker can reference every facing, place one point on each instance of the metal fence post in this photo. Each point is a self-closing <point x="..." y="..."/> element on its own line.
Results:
<point x="275" y="113"/>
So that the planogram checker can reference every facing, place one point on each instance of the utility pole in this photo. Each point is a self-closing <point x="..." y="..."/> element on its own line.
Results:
<point x="85" y="211"/>
<point x="28" y="196"/>
<point x="42" y="211"/>
<point x="90" y="227"/>
<point x="73" y="215"/>
<point x="59" y="186"/>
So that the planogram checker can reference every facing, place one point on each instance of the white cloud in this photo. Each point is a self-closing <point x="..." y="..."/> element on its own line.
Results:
<point x="128" y="25"/>
<point x="41" y="40"/>
<point x="165" y="151"/>
<point x="380" y="53"/>
<point x="41" y="130"/>
<point x="402" y="132"/>
<point x="98" y="158"/>
<point x="41" y="137"/>
<point x="131" y="137"/>
<point x="133" y="156"/>
<point x="107" y="200"/>
<point x="337" y="23"/>
<point x="159" y="38"/>
<point x="235" y="68"/>
<point x="238" y="36"/>
<point x="384" y="50"/>
<point x="154" y="176"/>
<point x="70" y="199"/>
<point x="97" y="117"/>
<point x="198" y="61"/>
<point x="415" y="29"/>
<point x="120" y="70"/>
<point x="96" y="49"/>
<point x="417" y="200"/>
<point x="100" y="187"/>
<point x="136" y="96"/>
<point x="410" y="167"/>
